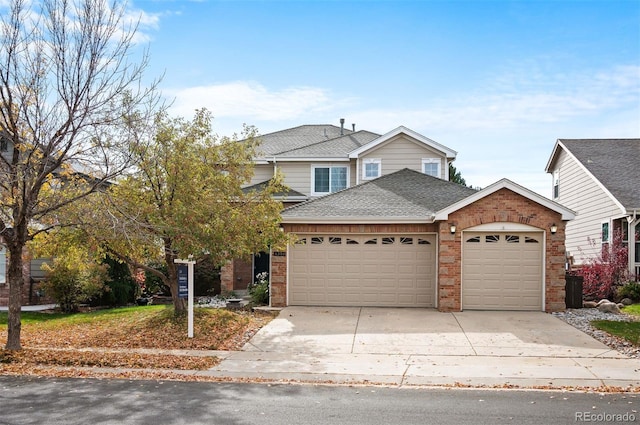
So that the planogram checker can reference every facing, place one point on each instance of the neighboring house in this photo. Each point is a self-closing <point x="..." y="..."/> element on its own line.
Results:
<point x="389" y="229"/>
<point x="600" y="180"/>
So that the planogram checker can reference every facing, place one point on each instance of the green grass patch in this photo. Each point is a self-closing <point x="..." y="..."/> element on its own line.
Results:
<point x="63" y="319"/>
<point x="629" y="331"/>
<point x="633" y="309"/>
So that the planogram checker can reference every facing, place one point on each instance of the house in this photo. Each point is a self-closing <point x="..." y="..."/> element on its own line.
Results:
<point x="383" y="226"/>
<point x="600" y="180"/>
<point x="317" y="160"/>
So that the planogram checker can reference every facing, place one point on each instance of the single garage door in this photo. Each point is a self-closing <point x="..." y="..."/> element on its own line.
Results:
<point x="363" y="270"/>
<point x="502" y="271"/>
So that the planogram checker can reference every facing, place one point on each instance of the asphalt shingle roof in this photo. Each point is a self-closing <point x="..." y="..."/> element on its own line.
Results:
<point x="337" y="147"/>
<point x="258" y="187"/>
<point x="403" y="194"/>
<point x="614" y="162"/>
<point x="273" y="144"/>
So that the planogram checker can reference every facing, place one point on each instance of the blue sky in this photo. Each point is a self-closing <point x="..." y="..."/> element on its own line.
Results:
<point x="497" y="81"/>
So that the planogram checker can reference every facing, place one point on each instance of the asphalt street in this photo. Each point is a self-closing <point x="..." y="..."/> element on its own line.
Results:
<point x="26" y="400"/>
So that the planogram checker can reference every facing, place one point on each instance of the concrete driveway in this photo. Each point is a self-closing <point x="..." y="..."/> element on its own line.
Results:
<point x="426" y="347"/>
<point x="364" y="330"/>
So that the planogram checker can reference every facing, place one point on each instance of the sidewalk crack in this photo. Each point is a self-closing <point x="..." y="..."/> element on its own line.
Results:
<point x="355" y="331"/>
<point x="475" y="353"/>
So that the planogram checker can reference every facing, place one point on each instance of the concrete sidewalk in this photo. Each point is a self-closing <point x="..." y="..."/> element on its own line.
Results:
<point x="426" y="347"/>
<point x="40" y="307"/>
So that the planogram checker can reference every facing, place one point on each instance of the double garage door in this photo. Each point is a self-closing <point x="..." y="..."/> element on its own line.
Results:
<point x="502" y="271"/>
<point x="363" y="270"/>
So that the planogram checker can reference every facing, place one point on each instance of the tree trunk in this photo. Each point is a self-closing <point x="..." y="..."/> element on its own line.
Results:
<point x="179" y="304"/>
<point x="15" y="297"/>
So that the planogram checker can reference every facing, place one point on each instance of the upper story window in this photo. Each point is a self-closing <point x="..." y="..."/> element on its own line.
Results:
<point x="371" y="169"/>
<point x="431" y="167"/>
<point x="329" y="179"/>
<point x="556" y="184"/>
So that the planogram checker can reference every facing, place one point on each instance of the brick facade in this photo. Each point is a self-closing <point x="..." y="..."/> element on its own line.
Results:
<point x="236" y="275"/>
<point x="503" y="205"/>
<point x="508" y="207"/>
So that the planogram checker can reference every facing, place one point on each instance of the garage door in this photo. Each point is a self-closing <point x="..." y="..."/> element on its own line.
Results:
<point x="502" y="271"/>
<point x="363" y="270"/>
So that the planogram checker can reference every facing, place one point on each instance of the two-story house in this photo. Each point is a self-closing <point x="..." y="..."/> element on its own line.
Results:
<point x="378" y="223"/>
<point x="600" y="180"/>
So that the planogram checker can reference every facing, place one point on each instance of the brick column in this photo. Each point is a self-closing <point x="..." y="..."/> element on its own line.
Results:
<point x="278" y="293"/>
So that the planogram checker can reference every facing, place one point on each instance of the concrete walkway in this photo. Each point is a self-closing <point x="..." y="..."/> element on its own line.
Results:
<point x="426" y="347"/>
<point x="40" y="307"/>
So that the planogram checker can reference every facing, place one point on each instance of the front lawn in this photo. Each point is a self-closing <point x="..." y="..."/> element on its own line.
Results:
<point x="629" y="331"/>
<point x="115" y="337"/>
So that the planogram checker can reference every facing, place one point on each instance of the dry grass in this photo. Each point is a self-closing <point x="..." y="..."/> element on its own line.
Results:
<point x="115" y="338"/>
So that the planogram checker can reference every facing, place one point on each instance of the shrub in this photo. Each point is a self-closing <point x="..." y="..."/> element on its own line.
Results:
<point x="630" y="290"/>
<point x="121" y="289"/>
<point x="70" y="284"/>
<point x="206" y="277"/>
<point x="259" y="290"/>
<point x="604" y="273"/>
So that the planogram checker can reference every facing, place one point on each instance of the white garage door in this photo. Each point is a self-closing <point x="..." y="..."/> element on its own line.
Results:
<point x="363" y="270"/>
<point x="502" y="271"/>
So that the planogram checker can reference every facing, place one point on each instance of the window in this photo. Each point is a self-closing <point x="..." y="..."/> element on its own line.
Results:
<point x="512" y="239"/>
<point x="527" y="239"/>
<point x="556" y="184"/>
<point x="329" y="179"/>
<point x="431" y="166"/>
<point x="388" y="241"/>
<point x="492" y="238"/>
<point x="605" y="240"/>
<point x="371" y="168"/>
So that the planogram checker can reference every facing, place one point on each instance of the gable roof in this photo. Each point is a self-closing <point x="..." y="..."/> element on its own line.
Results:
<point x="449" y="153"/>
<point x="613" y="163"/>
<point x="566" y="213"/>
<point x="403" y="196"/>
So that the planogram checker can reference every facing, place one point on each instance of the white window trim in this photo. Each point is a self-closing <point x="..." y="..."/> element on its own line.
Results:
<point x="437" y="161"/>
<point x="555" y="190"/>
<point x="609" y="227"/>
<point x="313" y="177"/>
<point x="371" y="161"/>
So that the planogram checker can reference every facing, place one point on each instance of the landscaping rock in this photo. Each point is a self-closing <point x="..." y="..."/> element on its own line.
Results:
<point x="626" y="301"/>
<point x="609" y="307"/>
<point x="603" y="301"/>
<point x="589" y="304"/>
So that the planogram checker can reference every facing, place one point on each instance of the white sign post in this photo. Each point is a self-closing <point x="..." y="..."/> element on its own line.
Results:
<point x="189" y="264"/>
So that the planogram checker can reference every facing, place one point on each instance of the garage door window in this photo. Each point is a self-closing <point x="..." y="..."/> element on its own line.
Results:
<point x="492" y="238"/>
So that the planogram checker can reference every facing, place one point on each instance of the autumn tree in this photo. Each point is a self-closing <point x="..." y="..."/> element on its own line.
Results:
<point x="69" y="97"/>
<point x="186" y="198"/>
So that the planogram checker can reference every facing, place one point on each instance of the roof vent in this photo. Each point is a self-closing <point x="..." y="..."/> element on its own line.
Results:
<point x="342" y="126"/>
<point x="353" y="126"/>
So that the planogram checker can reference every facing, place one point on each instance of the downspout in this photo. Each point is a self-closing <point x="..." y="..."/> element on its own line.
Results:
<point x="632" y="221"/>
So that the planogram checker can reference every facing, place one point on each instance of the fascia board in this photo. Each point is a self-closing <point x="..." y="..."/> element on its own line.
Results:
<point x="313" y="159"/>
<point x="552" y="157"/>
<point x="566" y="213"/>
<point x="354" y="220"/>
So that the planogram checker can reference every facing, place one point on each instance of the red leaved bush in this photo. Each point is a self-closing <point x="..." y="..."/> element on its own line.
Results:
<point x="606" y="271"/>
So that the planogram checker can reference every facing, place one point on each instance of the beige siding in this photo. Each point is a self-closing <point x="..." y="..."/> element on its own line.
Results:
<point x="298" y="175"/>
<point x="401" y="152"/>
<point x="579" y="192"/>
<point x="261" y="173"/>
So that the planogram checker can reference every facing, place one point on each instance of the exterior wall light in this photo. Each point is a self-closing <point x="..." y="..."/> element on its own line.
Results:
<point x="452" y="229"/>
<point x="554" y="229"/>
